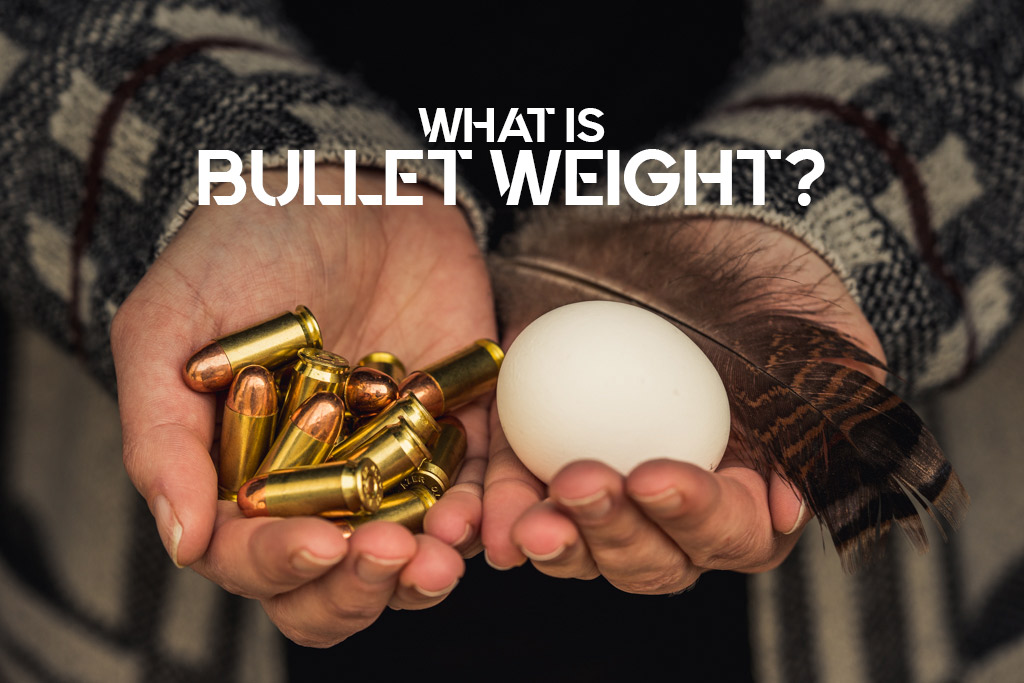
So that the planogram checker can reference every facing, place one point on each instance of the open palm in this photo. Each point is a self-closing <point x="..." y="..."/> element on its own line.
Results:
<point x="409" y="280"/>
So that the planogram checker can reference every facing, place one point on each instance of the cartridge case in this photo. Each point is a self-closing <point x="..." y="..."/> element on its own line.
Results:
<point x="309" y="435"/>
<point x="272" y="343"/>
<point x="456" y="380"/>
<point x="386" y="362"/>
<point x="353" y="487"/>
<point x="367" y="391"/>
<point x="407" y="508"/>
<point x="396" y="451"/>
<point x="315" y="370"/>
<point x="282" y="378"/>
<point x="407" y="410"/>
<point x="247" y="428"/>
<point x="437" y="474"/>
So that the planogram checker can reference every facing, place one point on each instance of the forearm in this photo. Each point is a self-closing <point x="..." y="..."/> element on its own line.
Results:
<point x="103" y="108"/>
<point x="922" y="132"/>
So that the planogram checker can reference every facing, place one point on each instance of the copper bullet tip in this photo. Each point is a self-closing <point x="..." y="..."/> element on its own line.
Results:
<point x="369" y="391"/>
<point x="386" y="362"/>
<point x="252" y="497"/>
<point x="426" y="389"/>
<point x="253" y="393"/>
<point x="208" y="369"/>
<point x="321" y="416"/>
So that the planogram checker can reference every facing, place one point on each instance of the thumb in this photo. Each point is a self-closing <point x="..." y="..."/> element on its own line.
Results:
<point x="167" y="431"/>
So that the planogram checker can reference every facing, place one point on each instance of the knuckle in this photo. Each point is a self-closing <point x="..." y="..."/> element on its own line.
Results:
<point x="339" y="609"/>
<point x="471" y="488"/>
<point x="306" y="638"/>
<point x="297" y="628"/>
<point x="744" y="548"/>
<point x="613" y="536"/>
<point x="210" y="568"/>
<point x="657" y="582"/>
<point x="130" y="456"/>
<point x="510" y="484"/>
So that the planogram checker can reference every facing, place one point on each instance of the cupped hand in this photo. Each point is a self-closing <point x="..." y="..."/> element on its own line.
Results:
<point x="657" y="529"/>
<point x="404" y="279"/>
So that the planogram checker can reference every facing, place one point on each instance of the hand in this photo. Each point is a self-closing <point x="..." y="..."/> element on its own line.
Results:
<point x="409" y="280"/>
<point x="658" y="529"/>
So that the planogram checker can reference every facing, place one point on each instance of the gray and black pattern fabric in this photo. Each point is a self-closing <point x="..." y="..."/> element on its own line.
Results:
<point x="103" y="106"/>
<point x="918" y="110"/>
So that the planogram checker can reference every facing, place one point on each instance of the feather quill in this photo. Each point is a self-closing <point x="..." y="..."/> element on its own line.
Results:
<point x="801" y="404"/>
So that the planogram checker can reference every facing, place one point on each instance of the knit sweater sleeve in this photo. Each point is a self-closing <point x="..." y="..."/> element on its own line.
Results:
<point x="103" y="106"/>
<point x="918" y="112"/>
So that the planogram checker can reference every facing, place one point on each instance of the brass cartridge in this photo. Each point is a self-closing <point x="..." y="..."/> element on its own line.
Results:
<point x="386" y="362"/>
<point x="354" y="487"/>
<point x="456" y="380"/>
<point x="407" y="410"/>
<point x="282" y="378"/>
<point x="407" y="508"/>
<point x="308" y="436"/>
<point x="396" y="451"/>
<point x="272" y="343"/>
<point x="246" y="429"/>
<point x="316" y="370"/>
<point x="367" y="391"/>
<point x="438" y="473"/>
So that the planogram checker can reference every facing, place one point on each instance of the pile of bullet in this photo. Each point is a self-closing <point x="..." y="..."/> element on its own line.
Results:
<point x="304" y="433"/>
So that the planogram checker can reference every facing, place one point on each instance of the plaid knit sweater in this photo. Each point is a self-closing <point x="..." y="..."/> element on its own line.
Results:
<point x="918" y="109"/>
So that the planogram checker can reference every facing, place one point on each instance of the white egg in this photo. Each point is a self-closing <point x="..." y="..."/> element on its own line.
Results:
<point x="611" y="382"/>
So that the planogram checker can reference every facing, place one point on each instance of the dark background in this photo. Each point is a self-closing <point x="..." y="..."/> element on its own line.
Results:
<point x="649" y="72"/>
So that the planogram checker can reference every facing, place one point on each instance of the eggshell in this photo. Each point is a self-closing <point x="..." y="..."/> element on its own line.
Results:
<point x="611" y="382"/>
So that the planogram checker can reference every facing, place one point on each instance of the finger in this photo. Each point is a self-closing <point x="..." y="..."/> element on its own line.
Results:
<point x="352" y="595"/>
<point x="509" y="491"/>
<point x="432" y="574"/>
<point x="553" y="543"/>
<point x="720" y="519"/>
<point x="789" y="512"/>
<point x="455" y="519"/>
<point x="262" y="557"/>
<point x="631" y="552"/>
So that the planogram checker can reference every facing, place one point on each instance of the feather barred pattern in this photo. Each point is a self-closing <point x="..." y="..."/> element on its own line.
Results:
<point x="801" y="403"/>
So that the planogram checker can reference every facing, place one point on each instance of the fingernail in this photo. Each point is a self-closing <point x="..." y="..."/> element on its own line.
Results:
<point x="436" y="594"/>
<point x="669" y="500"/>
<point x="466" y="535"/>
<point x="373" y="569"/>
<point x="800" y="518"/>
<point x="544" y="557"/>
<point x="487" y="559"/>
<point x="594" y="506"/>
<point x="168" y="526"/>
<point x="305" y="562"/>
